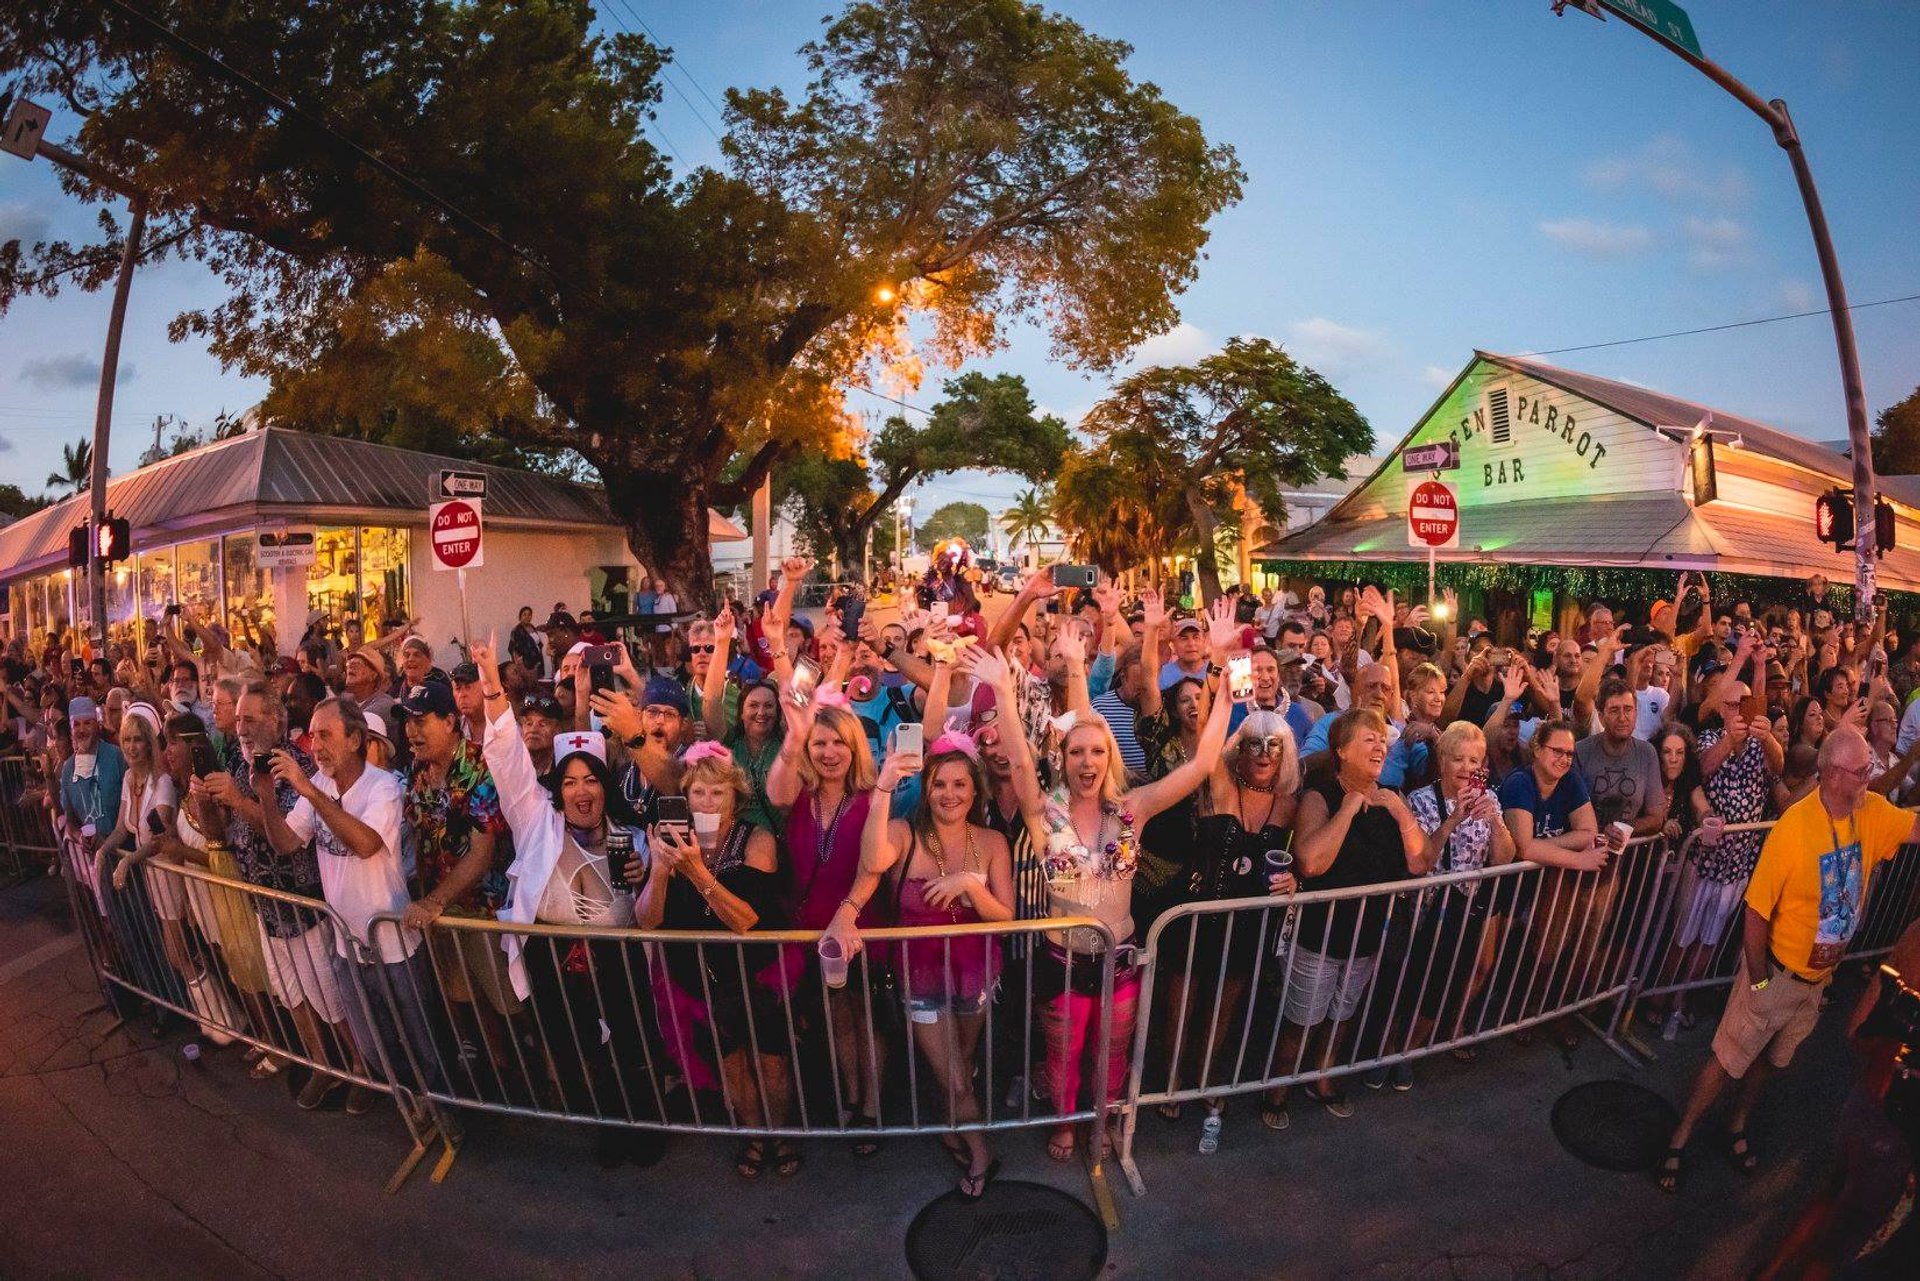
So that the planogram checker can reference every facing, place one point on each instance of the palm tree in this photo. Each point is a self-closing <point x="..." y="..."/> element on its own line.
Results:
<point x="76" y="470"/>
<point x="1030" y="517"/>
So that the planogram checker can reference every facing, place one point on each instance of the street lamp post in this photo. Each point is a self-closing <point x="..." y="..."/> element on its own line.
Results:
<point x="1775" y="114"/>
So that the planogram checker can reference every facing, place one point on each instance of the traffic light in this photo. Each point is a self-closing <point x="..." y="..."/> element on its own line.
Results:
<point x="77" y="547"/>
<point x="1883" y="524"/>
<point x="1833" y="518"/>
<point x="113" y="540"/>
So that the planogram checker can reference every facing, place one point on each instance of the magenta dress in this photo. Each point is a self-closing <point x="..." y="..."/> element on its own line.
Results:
<point x="931" y="976"/>
<point x="822" y="864"/>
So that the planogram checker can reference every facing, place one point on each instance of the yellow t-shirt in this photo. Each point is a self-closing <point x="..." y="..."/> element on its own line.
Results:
<point x="1812" y="877"/>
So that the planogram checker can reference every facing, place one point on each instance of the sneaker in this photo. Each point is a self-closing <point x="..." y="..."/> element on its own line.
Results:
<point x="1376" y="1079"/>
<point x="360" y="1100"/>
<point x="1402" y="1077"/>
<point x="317" y="1090"/>
<point x="1210" y="1134"/>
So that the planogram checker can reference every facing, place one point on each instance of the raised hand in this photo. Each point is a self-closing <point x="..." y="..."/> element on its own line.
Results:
<point x="1223" y="632"/>
<point x="1107" y="597"/>
<point x="793" y="569"/>
<point x="723" y="625"/>
<point x="1513" y="681"/>
<point x="1154" y="605"/>
<point x="1070" y="645"/>
<point x="485" y="653"/>
<point x="617" y="713"/>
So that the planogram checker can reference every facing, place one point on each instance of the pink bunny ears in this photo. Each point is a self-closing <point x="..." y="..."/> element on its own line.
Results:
<point x="955" y="740"/>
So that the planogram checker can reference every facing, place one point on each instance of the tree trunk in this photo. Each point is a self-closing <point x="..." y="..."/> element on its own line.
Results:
<point x="666" y="523"/>
<point x="1205" y="562"/>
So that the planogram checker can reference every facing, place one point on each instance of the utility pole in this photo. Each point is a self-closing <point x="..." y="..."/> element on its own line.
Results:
<point x="23" y="134"/>
<point x="1668" y="24"/>
<point x="762" y="531"/>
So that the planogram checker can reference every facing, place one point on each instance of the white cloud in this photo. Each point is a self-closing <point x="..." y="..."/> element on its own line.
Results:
<point x="1668" y="168"/>
<point x="21" y="221"/>
<point x="1598" y="239"/>
<point x="1331" y="347"/>
<point x="65" y="373"/>
<point x="1181" y="345"/>
<point x="1798" y="295"/>
<point x="1716" y="242"/>
<point x="1437" y="377"/>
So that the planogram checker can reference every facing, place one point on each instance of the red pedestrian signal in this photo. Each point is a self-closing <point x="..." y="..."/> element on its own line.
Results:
<point x="1833" y="518"/>
<point x="113" y="540"/>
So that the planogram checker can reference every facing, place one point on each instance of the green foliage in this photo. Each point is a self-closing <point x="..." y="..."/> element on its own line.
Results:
<point x="989" y="161"/>
<point x="953" y="520"/>
<point x="1174" y="448"/>
<point x="1030" y="517"/>
<point x="15" y="502"/>
<point x="1896" y="438"/>
<point x="76" y="470"/>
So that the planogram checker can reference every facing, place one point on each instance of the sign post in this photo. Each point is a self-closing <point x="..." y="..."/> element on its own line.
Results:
<point x="1433" y="522"/>
<point x="454" y="528"/>
<point x="450" y="484"/>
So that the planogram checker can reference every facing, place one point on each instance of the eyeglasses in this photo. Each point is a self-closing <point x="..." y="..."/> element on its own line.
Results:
<point x="1559" y="753"/>
<point x="701" y="649"/>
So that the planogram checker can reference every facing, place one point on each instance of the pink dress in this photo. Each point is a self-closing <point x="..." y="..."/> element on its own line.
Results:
<point x="932" y="974"/>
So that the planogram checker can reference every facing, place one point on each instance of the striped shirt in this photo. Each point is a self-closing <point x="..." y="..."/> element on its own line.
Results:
<point x="1120" y="718"/>
<point x="1030" y="899"/>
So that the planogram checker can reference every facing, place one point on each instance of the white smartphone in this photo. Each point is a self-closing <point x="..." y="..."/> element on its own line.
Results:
<point x="1240" y="677"/>
<point x="938" y="609"/>
<point x="909" y="739"/>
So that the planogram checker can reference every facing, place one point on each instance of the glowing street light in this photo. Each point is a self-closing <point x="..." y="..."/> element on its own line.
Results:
<point x="884" y="295"/>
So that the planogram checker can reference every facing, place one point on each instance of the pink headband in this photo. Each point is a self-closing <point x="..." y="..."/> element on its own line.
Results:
<point x="955" y="741"/>
<point x="706" y="749"/>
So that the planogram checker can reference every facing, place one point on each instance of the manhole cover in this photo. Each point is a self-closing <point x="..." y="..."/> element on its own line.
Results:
<point x="1016" y="1230"/>
<point x="1614" y="1125"/>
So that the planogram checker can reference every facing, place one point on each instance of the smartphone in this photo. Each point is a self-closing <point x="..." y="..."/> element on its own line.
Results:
<point x="909" y="739"/>
<point x="171" y="611"/>
<point x="1240" y="677"/>
<point x="154" y="824"/>
<point x="672" y="811"/>
<point x="205" y="761"/>
<point x="851" y="612"/>
<point x="806" y="678"/>
<point x="938" y="609"/>
<point x="1500" y="659"/>
<point x="1074" y="576"/>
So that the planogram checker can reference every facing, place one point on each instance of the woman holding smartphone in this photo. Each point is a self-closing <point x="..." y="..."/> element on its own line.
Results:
<point x="573" y="831"/>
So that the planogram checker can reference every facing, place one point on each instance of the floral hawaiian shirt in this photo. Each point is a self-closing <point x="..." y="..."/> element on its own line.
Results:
<point x="441" y="819"/>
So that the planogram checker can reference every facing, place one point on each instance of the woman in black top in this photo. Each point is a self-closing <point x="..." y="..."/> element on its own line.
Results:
<point x="1244" y="810"/>
<point x="1349" y="832"/>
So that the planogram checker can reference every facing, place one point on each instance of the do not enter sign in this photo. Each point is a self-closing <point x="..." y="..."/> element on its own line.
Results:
<point x="1433" y="515"/>
<point x="455" y="527"/>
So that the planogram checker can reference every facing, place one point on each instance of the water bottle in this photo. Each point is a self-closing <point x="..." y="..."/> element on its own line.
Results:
<point x="1210" y="1134"/>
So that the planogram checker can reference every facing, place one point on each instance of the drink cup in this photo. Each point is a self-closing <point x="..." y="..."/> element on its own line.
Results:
<point x="191" y="1052"/>
<point x="1279" y="862"/>
<point x="1622" y="833"/>
<point x="1712" y="828"/>
<point x="833" y="962"/>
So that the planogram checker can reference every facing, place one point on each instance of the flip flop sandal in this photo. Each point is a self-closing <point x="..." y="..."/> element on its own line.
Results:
<point x="1741" y="1153"/>
<point x="1062" y="1149"/>
<point x="787" y="1160"/>
<point x="1275" y="1116"/>
<point x="751" y="1159"/>
<point x="982" y="1180"/>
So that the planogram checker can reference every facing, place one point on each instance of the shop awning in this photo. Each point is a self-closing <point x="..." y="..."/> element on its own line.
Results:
<point x="273" y="474"/>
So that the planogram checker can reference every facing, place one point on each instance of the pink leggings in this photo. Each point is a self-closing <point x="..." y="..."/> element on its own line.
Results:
<point x="1071" y="1021"/>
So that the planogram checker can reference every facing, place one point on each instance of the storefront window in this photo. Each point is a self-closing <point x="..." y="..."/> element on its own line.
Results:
<point x="197" y="579"/>
<point x="120" y="595"/>
<point x="383" y="578"/>
<point x="156" y="582"/>
<point x="59" y="607"/>
<point x="249" y="587"/>
<point x="333" y="578"/>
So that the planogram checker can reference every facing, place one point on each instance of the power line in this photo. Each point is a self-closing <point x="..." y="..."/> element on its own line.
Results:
<point x="675" y="59"/>
<point x="1714" y="329"/>
<point x="673" y="63"/>
<point x="892" y="400"/>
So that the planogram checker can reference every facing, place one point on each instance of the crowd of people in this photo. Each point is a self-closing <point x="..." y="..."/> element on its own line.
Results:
<point x="1089" y="753"/>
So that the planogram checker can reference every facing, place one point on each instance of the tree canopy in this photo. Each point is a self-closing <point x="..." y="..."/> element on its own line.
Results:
<point x="981" y="421"/>
<point x="969" y="521"/>
<point x="1896" y="438"/>
<point x="465" y="186"/>
<point x="1173" y="448"/>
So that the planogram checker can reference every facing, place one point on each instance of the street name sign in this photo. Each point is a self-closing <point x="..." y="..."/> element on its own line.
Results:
<point x="455" y="529"/>
<point x="1663" y="20"/>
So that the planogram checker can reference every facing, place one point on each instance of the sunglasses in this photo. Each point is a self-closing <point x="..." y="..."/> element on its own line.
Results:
<point x="701" y="649"/>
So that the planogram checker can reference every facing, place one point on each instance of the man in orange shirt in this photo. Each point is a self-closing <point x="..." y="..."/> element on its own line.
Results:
<point x="1802" y="907"/>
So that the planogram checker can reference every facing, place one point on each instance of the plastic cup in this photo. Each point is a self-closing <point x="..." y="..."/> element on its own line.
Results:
<point x="833" y="962"/>
<point x="191" y="1052"/>
<point x="1712" y="828"/>
<point x="1622" y="831"/>
<point x="1279" y="862"/>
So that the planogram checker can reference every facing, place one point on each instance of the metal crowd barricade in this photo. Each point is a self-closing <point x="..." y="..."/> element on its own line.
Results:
<point x="1400" y="971"/>
<point x="27" y="838"/>
<point x="739" y="1034"/>
<point x="186" y="941"/>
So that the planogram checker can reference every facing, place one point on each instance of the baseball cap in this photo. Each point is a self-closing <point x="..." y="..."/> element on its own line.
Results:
<point x="1287" y="656"/>
<point x="465" y="673"/>
<point x="377" y="727"/>
<point x="420" y="643"/>
<point x="543" y="705"/>
<point x="560" y="618"/>
<point x="430" y="698"/>
<point x="1187" y="624"/>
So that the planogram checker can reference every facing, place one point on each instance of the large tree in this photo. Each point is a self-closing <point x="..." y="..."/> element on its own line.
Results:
<point x="950" y="164"/>
<point x="963" y="520"/>
<point x="989" y="423"/>
<point x="1896" y="438"/>
<point x="1174" y="448"/>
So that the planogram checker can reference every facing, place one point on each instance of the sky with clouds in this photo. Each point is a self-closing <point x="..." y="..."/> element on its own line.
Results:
<point x="1424" y="177"/>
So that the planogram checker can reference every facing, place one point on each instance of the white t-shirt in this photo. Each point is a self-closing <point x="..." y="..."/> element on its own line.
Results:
<point x="1652" y="703"/>
<point x="134" y="809"/>
<point x="361" y="888"/>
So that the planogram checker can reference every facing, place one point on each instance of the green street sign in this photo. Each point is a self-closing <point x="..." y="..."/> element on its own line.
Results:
<point x="1661" y="19"/>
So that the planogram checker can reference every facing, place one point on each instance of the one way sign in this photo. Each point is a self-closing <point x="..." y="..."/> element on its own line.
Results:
<point x="458" y="484"/>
